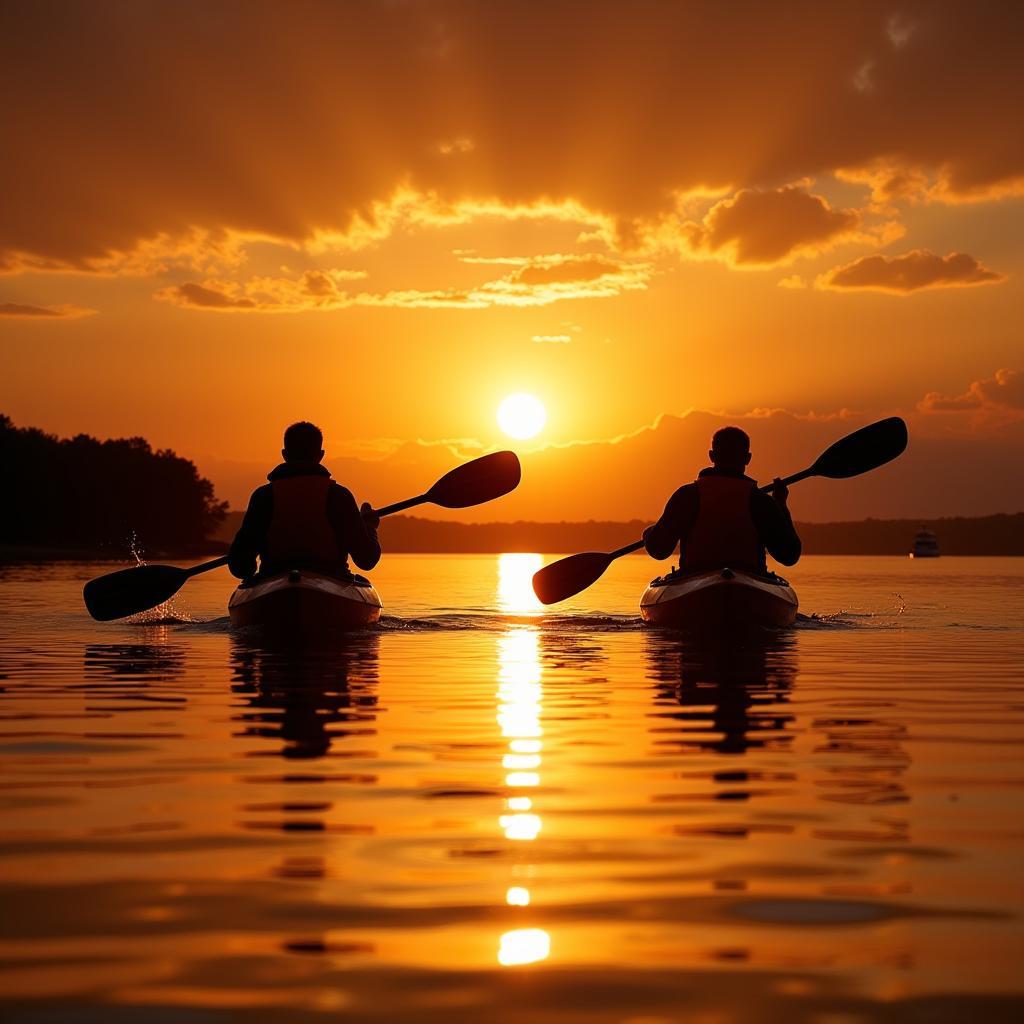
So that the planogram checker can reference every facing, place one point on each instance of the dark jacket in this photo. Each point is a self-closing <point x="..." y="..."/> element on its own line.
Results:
<point x="772" y="521"/>
<point x="350" y="532"/>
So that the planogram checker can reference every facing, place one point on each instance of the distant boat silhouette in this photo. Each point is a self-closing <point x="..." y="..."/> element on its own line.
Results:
<point x="926" y="544"/>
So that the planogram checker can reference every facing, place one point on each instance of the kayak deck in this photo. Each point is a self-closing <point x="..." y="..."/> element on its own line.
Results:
<point x="303" y="603"/>
<point x="720" y="601"/>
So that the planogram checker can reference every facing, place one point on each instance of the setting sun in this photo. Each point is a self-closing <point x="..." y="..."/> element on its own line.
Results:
<point x="522" y="416"/>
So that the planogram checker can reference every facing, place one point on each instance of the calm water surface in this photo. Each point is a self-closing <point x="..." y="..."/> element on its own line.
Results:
<point x="481" y="813"/>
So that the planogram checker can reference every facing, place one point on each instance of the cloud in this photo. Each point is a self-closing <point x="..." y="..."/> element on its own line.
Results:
<point x="536" y="281"/>
<point x="28" y="312"/>
<point x="913" y="271"/>
<point x="1004" y="391"/>
<point x="244" y="133"/>
<point x="211" y="295"/>
<point x="454" y="146"/>
<point x="551" y="339"/>
<point x="893" y="182"/>
<point x="765" y="228"/>
<point x="194" y="249"/>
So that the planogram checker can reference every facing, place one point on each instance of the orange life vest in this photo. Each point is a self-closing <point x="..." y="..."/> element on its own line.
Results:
<point x="724" y="534"/>
<point x="300" y="533"/>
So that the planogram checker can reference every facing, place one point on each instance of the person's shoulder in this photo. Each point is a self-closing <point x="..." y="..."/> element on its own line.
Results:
<point x="261" y="493"/>
<point x="685" y="491"/>
<point x="339" y="492"/>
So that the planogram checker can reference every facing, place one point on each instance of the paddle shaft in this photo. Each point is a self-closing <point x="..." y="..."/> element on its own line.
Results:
<point x="401" y="506"/>
<point x="795" y="478"/>
<point x="215" y="563"/>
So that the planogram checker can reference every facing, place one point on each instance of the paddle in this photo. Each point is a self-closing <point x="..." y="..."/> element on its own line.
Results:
<point x="863" y="450"/>
<point x="129" y="591"/>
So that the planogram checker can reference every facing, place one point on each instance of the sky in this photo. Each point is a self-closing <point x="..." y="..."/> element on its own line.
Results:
<point x="657" y="218"/>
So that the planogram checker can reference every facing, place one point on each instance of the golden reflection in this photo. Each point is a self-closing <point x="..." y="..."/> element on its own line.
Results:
<point x="520" y="696"/>
<point x="521" y="761"/>
<point x="515" y="583"/>
<point x="524" y="946"/>
<point x="517" y="896"/>
<point x="522" y="779"/>
<point x="520" y="826"/>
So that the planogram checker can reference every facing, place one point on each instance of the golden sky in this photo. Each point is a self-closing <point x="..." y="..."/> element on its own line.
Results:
<point x="216" y="218"/>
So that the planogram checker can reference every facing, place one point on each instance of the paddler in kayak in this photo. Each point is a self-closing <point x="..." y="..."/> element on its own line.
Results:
<point x="722" y="520"/>
<point x="303" y="519"/>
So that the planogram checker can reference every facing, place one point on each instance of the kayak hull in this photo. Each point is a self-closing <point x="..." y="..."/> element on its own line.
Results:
<point x="305" y="604"/>
<point x="723" y="601"/>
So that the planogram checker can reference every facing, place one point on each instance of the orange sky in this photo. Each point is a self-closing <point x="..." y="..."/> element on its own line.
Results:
<point x="220" y="217"/>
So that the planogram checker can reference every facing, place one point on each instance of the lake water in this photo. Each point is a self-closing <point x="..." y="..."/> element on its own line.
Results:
<point x="481" y="813"/>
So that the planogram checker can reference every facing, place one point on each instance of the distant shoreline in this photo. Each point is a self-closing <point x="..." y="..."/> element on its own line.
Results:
<point x="998" y="535"/>
<point x="11" y="553"/>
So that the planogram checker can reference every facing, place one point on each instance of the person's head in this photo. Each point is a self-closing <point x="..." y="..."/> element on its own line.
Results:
<point x="303" y="442"/>
<point x="730" y="449"/>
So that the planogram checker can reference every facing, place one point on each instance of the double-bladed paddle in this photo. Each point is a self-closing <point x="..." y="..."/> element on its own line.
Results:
<point x="863" y="450"/>
<point x="129" y="591"/>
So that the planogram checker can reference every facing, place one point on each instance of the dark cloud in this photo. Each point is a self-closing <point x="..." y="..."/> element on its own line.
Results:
<point x="205" y="297"/>
<point x="17" y="309"/>
<point x="1004" y="392"/>
<point x="317" y="283"/>
<point x="766" y="227"/>
<point x="126" y="121"/>
<point x="911" y="272"/>
<point x="536" y="282"/>
<point x="565" y="271"/>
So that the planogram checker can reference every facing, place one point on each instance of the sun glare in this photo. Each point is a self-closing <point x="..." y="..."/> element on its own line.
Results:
<point x="522" y="416"/>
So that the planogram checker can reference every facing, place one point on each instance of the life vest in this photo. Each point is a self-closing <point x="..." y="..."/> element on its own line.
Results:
<point x="300" y="533"/>
<point x="724" y="534"/>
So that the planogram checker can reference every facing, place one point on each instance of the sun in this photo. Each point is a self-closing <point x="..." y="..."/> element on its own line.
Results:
<point x="522" y="416"/>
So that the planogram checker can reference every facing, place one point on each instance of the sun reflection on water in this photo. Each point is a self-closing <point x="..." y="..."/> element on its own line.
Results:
<point x="519" y="699"/>
<point x="515" y="583"/>
<point x="524" y="946"/>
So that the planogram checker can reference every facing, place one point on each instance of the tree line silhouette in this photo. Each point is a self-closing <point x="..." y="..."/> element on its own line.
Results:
<point x="85" y="493"/>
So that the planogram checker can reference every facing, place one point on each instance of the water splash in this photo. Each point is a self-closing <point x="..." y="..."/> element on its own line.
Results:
<point x="135" y="547"/>
<point x="170" y="613"/>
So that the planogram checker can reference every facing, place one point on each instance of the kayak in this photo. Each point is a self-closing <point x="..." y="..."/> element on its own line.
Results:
<point x="723" y="601"/>
<point x="302" y="603"/>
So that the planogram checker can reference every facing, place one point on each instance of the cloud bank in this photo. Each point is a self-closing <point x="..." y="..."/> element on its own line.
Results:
<point x="26" y="311"/>
<point x="1002" y="391"/>
<point x="141" y="136"/>
<point x="911" y="272"/>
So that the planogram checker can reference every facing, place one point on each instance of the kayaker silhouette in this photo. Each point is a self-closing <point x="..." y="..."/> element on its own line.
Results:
<point x="303" y="519"/>
<point x="722" y="520"/>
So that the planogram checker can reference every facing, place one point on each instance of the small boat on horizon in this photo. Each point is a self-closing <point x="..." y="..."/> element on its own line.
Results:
<point x="926" y="544"/>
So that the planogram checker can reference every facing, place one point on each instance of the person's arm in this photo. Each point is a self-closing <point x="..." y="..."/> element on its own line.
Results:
<point x="661" y="539"/>
<point x="356" y="530"/>
<point x="775" y="524"/>
<point x="252" y="534"/>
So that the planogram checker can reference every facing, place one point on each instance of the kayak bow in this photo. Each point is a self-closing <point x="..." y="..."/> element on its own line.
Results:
<point x="721" y="601"/>
<point x="303" y="604"/>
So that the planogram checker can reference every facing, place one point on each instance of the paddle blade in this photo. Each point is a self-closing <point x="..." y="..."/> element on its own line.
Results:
<point x="863" y="450"/>
<point x="568" y="576"/>
<point x="130" y="591"/>
<point x="475" y="482"/>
